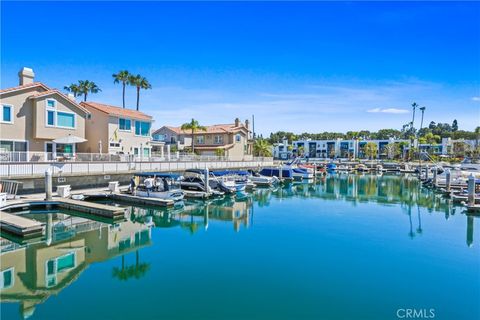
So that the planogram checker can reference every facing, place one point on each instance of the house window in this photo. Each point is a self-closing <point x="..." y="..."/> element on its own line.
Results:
<point x="125" y="124"/>
<point x="142" y="128"/>
<point x="114" y="145"/>
<point x="7" y="113"/>
<point x="51" y="103"/>
<point x="50" y="118"/>
<point x="159" y="137"/>
<point x="65" y="120"/>
<point x="200" y="139"/>
<point x="58" y="265"/>
<point x="146" y="152"/>
<point x="238" y="138"/>
<point x="218" y="139"/>
<point x="6" y="278"/>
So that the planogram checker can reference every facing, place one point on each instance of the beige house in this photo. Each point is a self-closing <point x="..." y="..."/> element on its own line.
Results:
<point x="36" y="121"/>
<point x="232" y="140"/>
<point x="115" y="130"/>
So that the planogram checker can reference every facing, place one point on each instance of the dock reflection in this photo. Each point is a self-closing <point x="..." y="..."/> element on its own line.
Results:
<point x="33" y="272"/>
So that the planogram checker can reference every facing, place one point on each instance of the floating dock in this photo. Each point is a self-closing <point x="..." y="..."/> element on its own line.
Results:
<point x="20" y="226"/>
<point x="141" y="200"/>
<point x="97" y="209"/>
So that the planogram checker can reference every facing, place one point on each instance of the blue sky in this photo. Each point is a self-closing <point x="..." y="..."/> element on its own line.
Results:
<point x="312" y="66"/>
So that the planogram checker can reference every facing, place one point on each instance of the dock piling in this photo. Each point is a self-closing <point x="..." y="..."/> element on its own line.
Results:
<point x="426" y="172"/>
<point x="48" y="184"/>
<point x="448" y="180"/>
<point x="471" y="190"/>
<point x="207" y="185"/>
<point x="434" y="177"/>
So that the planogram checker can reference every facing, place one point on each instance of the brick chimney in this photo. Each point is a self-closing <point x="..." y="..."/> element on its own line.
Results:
<point x="237" y="122"/>
<point x="247" y="124"/>
<point x="25" y="76"/>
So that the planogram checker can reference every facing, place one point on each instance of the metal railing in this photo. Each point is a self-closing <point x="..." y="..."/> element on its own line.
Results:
<point x="38" y="157"/>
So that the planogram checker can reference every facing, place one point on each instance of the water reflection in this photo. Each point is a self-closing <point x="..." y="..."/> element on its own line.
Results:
<point x="32" y="272"/>
<point x="35" y="271"/>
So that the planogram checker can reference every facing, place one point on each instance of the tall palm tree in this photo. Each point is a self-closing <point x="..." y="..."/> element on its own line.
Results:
<point x="421" y="122"/>
<point x="86" y="87"/>
<point x="73" y="88"/>
<point x="414" y="106"/>
<point x="123" y="77"/>
<point x="141" y="83"/>
<point x="193" y="126"/>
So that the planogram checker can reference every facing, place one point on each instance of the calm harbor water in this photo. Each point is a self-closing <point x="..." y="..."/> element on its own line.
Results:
<point x="344" y="247"/>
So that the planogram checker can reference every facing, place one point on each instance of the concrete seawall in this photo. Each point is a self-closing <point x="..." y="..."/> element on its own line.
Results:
<point x="80" y="179"/>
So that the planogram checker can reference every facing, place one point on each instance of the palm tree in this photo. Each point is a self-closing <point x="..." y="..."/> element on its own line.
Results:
<point x="194" y="126"/>
<point x="421" y="122"/>
<point x="262" y="148"/>
<point x="123" y="77"/>
<point x="141" y="83"/>
<point x="414" y="106"/>
<point x="86" y="86"/>
<point x="73" y="88"/>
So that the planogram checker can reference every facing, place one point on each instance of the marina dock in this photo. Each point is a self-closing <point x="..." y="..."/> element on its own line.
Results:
<point x="20" y="226"/>
<point x="140" y="200"/>
<point x="91" y="208"/>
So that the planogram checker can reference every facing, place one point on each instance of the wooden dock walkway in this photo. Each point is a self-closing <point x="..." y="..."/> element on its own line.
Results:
<point x="20" y="226"/>
<point x="141" y="200"/>
<point x="91" y="208"/>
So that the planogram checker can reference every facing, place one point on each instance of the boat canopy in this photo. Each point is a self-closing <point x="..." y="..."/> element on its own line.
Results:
<point x="158" y="175"/>
<point x="230" y="172"/>
<point x="198" y="171"/>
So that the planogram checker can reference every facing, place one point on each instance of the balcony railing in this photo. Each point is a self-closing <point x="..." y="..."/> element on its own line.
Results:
<point x="22" y="157"/>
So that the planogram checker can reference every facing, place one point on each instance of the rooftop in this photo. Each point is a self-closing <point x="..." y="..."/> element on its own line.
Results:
<point x="117" y="111"/>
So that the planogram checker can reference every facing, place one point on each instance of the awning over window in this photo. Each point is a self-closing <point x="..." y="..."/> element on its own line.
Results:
<point x="70" y="139"/>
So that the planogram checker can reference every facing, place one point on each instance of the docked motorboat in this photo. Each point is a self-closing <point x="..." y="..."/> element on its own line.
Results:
<point x="230" y="181"/>
<point x="280" y="173"/>
<point x="261" y="180"/>
<point x="194" y="181"/>
<point x="159" y="185"/>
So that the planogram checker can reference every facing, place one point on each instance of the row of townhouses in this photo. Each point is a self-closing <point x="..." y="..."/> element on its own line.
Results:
<point x="340" y="148"/>
<point x="38" y="123"/>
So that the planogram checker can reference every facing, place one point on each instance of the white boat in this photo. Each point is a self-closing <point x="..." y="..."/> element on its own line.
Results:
<point x="261" y="180"/>
<point x="166" y="186"/>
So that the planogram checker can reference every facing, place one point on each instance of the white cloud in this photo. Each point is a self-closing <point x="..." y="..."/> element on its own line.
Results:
<point x="476" y="98"/>
<point x="388" y="110"/>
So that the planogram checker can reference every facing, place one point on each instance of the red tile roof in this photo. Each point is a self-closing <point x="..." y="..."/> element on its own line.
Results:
<point x="117" y="111"/>
<point x="25" y="86"/>
<point x="216" y="128"/>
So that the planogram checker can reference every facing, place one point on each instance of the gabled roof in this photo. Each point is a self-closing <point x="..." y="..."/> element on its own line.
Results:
<point x="216" y="128"/>
<point x="116" y="111"/>
<point x="25" y="86"/>
<point x="56" y="92"/>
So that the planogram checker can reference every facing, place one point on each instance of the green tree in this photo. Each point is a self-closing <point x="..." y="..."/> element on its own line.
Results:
<point x="220" y="152"/>
<point x="371" y="150"/>
<point x="262" y="148"/>
<point x="73" y="88"/>
<point x="123" y="77"/>
<point x="454" y="125"/>
<point x="193" y="126"/>
<point x="140" y="83"/>
<point x="85" y="87"/>
<point x="393" y="150"/>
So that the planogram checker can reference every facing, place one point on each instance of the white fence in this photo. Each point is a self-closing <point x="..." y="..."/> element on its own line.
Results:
<point x="30" y="156"/>
<point x="37" y="169"/>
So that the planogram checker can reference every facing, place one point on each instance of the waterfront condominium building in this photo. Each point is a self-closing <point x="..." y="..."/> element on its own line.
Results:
<point x="233" y="140"/>
<point x="37" y="121"/>
<point x="115" y="130"/>
<point x="339" y="148"/>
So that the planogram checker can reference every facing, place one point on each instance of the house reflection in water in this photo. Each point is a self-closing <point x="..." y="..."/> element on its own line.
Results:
<point x="31" y="273"/>
<point x="195" y="215"/>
